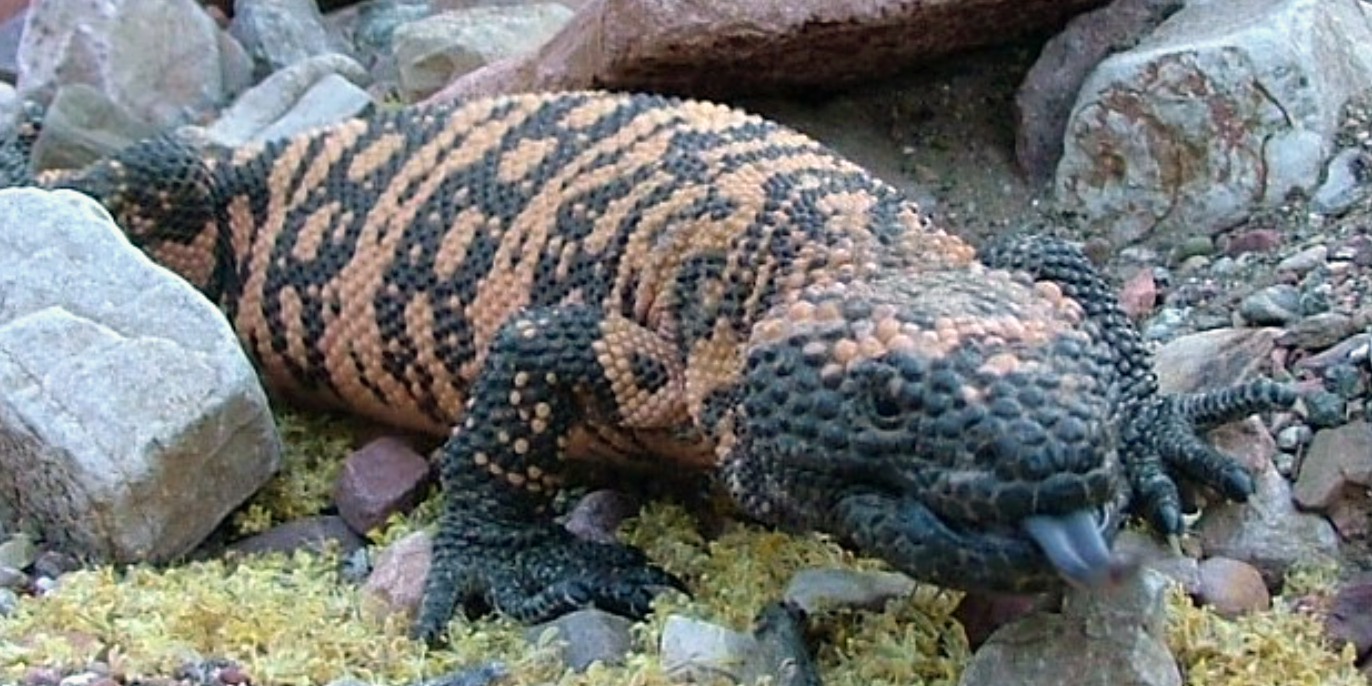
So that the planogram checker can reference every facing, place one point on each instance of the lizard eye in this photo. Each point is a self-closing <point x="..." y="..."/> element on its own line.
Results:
<point x="885" y="404"/>
<point x="888" y="408"/>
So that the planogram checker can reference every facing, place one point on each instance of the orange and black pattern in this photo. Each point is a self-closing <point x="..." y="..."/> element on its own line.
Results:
<point x="674" y="284"/>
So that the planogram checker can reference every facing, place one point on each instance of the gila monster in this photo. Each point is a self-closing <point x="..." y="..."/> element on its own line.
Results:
<point x="677" y="285"/>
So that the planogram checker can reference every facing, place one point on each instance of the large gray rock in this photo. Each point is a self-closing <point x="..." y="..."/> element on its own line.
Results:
<point x="1226" y="107"/>
<point x="159" y="60"/>
<point x="279" y="33"/>
<point x="131" y="421"/>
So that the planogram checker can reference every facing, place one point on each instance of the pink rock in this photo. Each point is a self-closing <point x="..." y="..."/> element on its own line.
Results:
<point x="1349" y="619"/>
<point x="1139" y="295"/>
<point x="1232" y="587"/>
<point x="384" y="477"/>
<point x="1339" y="458"/>
<point x="396" y="583"/>
<point x="1256" y="240"/>
<point x="982" y="613"/>
<point x="711" y="48"/>
<point x="598" y="515"/>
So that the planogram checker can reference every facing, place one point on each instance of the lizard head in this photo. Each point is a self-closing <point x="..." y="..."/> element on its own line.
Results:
<point x="958" y="427"/>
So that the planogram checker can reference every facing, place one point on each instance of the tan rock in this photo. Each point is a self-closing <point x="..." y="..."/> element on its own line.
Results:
<point x="710" y="48"/>
<point x="396" y="583"/>
<point x="1232" y="587"/>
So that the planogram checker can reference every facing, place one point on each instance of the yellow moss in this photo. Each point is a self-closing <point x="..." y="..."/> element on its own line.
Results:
<point x="1280" y="647"/>
<point x="313" y="448"/>
<point x="292" y="620"/>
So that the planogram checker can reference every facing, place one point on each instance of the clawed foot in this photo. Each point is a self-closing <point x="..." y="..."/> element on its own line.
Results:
<point x="1163" y="437"/>
<point x="535" y="576"/>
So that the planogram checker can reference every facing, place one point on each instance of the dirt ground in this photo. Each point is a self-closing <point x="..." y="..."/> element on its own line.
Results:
<point x="942" y="134"/>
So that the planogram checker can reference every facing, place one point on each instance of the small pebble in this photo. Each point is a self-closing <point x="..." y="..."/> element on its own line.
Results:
<point x="54" y="564"/>
<point x="13" y="578"/>
<point x="1285" y="464"/>
<point x="18" y="552"/>
<point x="1304" y="260"/>
<point x="1193" y="264"/>
<point x="1194" y="246"/>
<point x="233" y="675"/>
<point x="1344" y="380"/>
<point x="1294" y="436"/>
<point x="1164" y="325"/>
<point x="9" y="601"/>
<point x="1271" y="306"/>
<point x="1324" y="409"/>
<point x="1224" y="266"/>
<point x="42" y="676"/>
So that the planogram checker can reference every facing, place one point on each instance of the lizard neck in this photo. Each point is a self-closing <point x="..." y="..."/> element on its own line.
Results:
<point x="162" y="192"/>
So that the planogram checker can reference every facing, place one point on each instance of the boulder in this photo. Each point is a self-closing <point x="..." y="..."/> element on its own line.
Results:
<point x="1225" y="108"/>
<point x="716" y="49"/>
<point x="131" y="421"/>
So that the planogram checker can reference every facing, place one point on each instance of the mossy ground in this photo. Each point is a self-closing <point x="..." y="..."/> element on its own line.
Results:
<point x="293" y="620"/>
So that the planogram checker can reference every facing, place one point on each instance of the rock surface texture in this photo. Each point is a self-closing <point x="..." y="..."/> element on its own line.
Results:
<point x="1226" y="107"/>
<point x="131" y="421"/>
<point x="710" y="48"/>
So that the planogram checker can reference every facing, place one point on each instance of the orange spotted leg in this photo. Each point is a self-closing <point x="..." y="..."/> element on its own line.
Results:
<point x="547" y="370"/>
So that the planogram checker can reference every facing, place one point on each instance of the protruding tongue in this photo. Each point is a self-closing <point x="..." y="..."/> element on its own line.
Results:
<point x="1074" y="544"/>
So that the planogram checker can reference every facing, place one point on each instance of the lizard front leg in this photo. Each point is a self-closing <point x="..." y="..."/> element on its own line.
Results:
<point x="547" y="370"/>
<point x="1160" y="433"/>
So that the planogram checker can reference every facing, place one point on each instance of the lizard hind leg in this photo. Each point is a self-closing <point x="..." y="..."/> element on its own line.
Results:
<point x="496" y="540"/>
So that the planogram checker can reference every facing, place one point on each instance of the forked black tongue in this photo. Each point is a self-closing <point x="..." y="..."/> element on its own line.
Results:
<point x="1074" y="544"/>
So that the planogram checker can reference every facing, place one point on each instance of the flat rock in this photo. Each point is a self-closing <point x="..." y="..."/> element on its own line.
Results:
<point x="714" y="49"/>
<point x="1106" y="638"/>
<point x="1224" y="108"/>
<point x="1212" y="359"/>
<point x="289" y="101"/>
<point x="131" y="421"/>
<point x="585" y="637"/>
<point x="1268" y="531"/>
<point x="315" y="534"/>
<point x="816" y="590"/>
<point x="104" y="43"/>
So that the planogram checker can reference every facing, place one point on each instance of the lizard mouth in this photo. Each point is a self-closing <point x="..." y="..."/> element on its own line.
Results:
<point x="1075" y="545"/>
